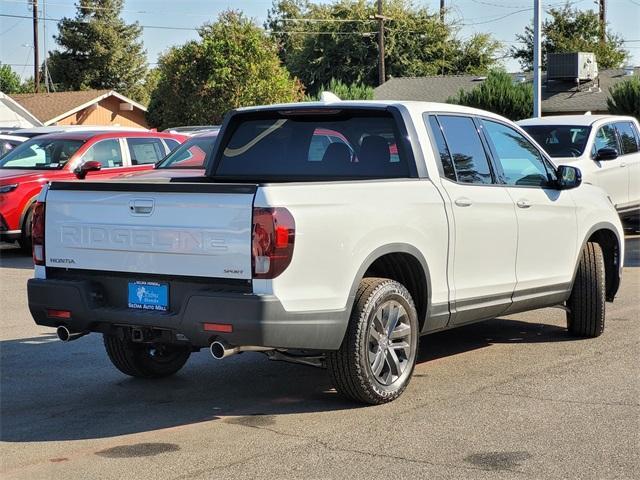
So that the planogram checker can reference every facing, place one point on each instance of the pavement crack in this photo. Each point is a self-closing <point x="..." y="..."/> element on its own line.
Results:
<point x="559" y="400"/>
<point x="334" y="448"/>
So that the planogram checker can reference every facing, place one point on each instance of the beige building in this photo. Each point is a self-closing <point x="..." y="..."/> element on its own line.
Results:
<point x="87" y="107"/>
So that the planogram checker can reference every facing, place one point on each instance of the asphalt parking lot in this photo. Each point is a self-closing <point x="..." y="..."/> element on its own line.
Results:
<point x="514" y="397"/>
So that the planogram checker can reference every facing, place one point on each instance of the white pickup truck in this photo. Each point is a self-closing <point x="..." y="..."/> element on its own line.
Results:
<point x="332" y="234"/>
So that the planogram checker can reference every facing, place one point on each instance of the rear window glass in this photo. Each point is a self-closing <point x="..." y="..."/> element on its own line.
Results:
<point x="351" y="145"/>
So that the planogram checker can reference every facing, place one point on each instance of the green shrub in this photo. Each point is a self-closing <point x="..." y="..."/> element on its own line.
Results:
<point x="499" y="94"/>
<point x="624" y="98"/>
<point x="355" y="91"/>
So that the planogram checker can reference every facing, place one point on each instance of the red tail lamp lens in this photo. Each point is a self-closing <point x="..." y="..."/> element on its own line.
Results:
<point x="37" y="233"/>
<point x="274" y="233"/>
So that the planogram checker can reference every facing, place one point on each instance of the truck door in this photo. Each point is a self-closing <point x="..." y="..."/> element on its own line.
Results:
<point x="484" y="222"/>
<point x="547" y="224"/>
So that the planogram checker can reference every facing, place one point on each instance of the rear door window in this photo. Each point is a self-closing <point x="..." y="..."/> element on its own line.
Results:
<point x="145" y="150"/>
<point x="345" y="144"/>
<point x="466" y="149"/>
<point x="628" y="139"/>
<point x="442" y="149"/>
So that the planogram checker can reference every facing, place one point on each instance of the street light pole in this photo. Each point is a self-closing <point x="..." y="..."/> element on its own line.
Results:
<point x="36" y="52"/>
<point x="537" y="67"/>
<point x="380" y="18"/>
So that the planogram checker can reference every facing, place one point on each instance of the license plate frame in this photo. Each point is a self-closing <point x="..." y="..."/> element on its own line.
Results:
<point x="146" y="295"/>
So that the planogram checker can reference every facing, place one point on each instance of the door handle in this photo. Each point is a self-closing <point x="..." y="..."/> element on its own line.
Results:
<point x="623" y="164"/>
<point x="463" y="202"/>
<point x="523" y="203"/>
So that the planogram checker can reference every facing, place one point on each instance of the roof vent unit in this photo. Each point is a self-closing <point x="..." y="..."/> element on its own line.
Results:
<point x="575" y="67"/>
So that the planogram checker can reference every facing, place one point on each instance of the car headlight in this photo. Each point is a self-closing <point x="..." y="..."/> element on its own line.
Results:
<point x="8" y="188"/>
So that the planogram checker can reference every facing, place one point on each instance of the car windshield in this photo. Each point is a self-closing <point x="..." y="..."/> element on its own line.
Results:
<point x="39" y="153"/>
<point x="191" y="154"/>
<point x="560" y="140"/>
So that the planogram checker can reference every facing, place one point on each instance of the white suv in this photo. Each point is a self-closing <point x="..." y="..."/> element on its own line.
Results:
<point x="605" y="148"/>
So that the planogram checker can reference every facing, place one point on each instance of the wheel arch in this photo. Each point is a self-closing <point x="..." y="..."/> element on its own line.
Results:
<point x="606" y="235"/>
<point x="405" y="264"/>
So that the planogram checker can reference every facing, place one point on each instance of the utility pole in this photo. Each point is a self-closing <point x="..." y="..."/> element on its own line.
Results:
<point x="441" y="11"/>
<point x="603" y="20"/>
<point x="381" y="19"/>
<point x="537" y="67"/>
<point x="36" y="51"/>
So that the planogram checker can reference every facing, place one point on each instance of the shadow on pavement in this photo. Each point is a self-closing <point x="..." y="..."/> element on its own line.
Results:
<point x="14" y="257"/>
<point x="51" y="391"/>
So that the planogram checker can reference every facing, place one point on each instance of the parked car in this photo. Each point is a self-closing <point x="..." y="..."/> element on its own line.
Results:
<point x="187" y="160"/>
<point x="9" y="142"/>
<point x="66" y="156"/>
<point x="451" y="215"/>
<point x="605" y="148"/>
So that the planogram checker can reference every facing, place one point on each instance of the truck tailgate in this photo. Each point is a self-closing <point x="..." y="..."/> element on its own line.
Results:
<point x="187" y="229"/>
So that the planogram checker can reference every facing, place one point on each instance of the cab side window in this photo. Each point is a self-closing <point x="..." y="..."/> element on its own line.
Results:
<point x="466" y="149"/>
<point x="628" y="139"/>
<point x="107" y="152"/>
<point x="520" y="162"/>
<point x="605" y="138"/>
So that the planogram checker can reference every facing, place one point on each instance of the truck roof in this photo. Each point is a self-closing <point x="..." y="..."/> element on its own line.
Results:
<point x="409" y="104"/>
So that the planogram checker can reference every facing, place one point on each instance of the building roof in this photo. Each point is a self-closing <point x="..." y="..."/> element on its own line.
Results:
<point x="557" y="97"/>
<point x="12" y="114"/>
<point x="54" y="106"/>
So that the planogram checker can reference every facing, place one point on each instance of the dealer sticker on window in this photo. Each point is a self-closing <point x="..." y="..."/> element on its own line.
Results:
<point x="148" y="296"/>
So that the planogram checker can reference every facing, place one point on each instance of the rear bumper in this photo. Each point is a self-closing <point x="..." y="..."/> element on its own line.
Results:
<point x="256" y="319"/>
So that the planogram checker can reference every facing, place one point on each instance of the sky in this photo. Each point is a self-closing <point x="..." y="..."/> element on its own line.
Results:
<point x="502" y="18"/>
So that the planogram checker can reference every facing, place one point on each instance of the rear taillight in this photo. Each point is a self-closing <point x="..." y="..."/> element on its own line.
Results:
<point x="274" y="232"/>
<point x="37" y="233"/>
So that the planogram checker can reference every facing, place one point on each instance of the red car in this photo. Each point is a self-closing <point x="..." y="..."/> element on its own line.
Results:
<point x="68" y="156"/>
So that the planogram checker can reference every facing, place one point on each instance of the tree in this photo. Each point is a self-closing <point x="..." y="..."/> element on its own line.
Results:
<point x="499" y="94"/>
<point x="99" y="50"/>
<point x="572" y="30"/>
<point x="355" y="91"/>
<point x="9" y="80"/>
<point x="624" y="98"/>
<point x="338" y="40"/>
<point x="234" y="64"/>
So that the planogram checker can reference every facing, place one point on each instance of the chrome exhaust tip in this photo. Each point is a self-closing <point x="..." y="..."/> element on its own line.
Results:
<point x="220" y="349"/>
<point x="65" y="335"/>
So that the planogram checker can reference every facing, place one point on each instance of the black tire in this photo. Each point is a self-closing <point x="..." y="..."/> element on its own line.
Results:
<point x="25" y="239"/>
<point x="145" y="360"/>
<point x="350" y="368"/>
<point x="586" y="305"/>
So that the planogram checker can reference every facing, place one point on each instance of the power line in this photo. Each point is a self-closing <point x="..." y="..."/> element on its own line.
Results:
<point x="49" y="19"/>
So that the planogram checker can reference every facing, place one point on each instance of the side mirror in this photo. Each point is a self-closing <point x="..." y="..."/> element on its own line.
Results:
<point x="607" y="154"/>
<point x="568" y="177"/>
<point x="89" y="166"/>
